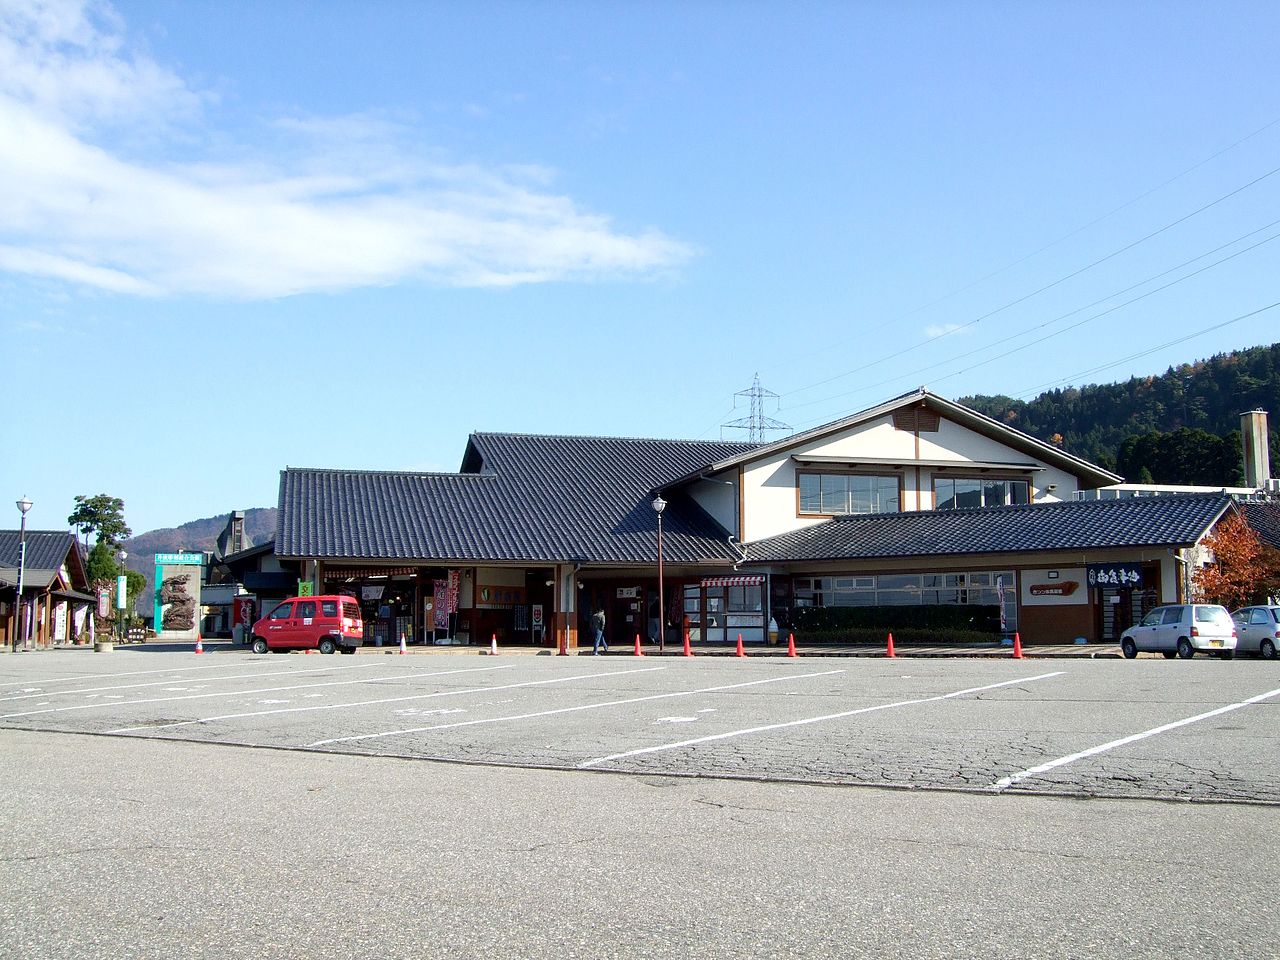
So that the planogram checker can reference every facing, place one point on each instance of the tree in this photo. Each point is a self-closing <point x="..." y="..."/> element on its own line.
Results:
<point x="101" y="515"/>
<point x="102" y="565"/>
<point x="1237" y="572"/>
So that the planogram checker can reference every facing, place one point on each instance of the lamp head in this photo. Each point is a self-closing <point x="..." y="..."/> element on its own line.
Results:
<point x="659" y="504"/>
<point x="24" y="505"/>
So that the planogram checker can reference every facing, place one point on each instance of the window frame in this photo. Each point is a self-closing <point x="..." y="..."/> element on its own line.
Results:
<point x="982" y="480"/>
<point x="896" y="475"/>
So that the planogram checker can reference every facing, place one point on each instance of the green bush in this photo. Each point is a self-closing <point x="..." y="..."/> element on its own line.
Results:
<point x="933" y="619"/>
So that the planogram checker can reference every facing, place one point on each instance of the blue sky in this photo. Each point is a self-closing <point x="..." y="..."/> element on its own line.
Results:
<point x="240" y="236"/>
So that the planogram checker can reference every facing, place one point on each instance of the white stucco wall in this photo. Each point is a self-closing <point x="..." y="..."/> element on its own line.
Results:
<point x="719" y="497"/>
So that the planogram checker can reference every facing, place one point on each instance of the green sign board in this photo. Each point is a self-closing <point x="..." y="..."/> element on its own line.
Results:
<point x="305" y="588"/>
<point x="179" y="559"/>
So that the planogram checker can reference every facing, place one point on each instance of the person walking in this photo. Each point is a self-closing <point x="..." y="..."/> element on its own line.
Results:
<point x="597" y="630"/>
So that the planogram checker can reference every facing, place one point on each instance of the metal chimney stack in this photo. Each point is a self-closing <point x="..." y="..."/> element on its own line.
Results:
<point x="1257" y="457"/>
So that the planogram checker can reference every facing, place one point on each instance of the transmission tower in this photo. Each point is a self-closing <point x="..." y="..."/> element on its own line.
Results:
<point x="757" y="423"/>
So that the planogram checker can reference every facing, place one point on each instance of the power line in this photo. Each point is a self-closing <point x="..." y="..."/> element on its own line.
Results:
<point x="919" y="370"/>
<point x="1078" y="230"/>
<point x="1049" y="286"/>
<point x="1146" y="353"/>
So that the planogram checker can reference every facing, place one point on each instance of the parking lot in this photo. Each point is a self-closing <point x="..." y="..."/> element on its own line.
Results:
<point x="1203" y="730"/>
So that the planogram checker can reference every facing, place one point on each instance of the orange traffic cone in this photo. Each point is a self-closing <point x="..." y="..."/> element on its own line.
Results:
<point x="639" y="652"/>
<point x="493" y="646"/>
<point x="687" y="652"/>
<point x="889" y="652"/>
<point x="1017" y="646"/>
<point x="741" y="652"/>
<point x="199" y="644"/>
<point x="791" y="645"/>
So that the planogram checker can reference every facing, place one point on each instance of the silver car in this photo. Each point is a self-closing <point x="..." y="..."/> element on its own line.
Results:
<point x="1182" y="629"/>
<point x="1258" y="629"/>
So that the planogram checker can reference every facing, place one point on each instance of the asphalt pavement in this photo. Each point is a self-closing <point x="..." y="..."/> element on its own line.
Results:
<point x="165" y="804"/>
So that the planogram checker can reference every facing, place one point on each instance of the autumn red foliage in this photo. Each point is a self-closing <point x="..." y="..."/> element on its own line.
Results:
<point x="1239" y="570"/>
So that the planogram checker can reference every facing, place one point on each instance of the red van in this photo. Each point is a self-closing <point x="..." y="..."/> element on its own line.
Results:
<point x="326" y="623"/>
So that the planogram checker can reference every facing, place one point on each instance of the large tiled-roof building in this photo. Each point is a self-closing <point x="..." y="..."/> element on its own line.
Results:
<point x="916" y="500"/>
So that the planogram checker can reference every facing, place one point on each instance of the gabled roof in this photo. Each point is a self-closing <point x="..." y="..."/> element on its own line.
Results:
<point x="1090" y="474"/>
<point x="47" y="552"/>
<point x="1264" y="518"/>
<point x="523" y="498"/>
<point x="1171" y="521"/>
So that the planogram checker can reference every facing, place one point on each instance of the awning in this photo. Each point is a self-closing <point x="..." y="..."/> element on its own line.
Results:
<point x="365" y="573"/>
<point x="75" y="595"/>
<point x="752" y="581"/>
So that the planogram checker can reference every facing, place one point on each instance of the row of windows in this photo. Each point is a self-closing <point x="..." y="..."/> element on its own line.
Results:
<point x="989" y="587"/>
<point x="832" y="494"/>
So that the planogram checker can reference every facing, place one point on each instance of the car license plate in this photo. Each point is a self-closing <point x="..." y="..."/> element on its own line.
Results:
<point x="1215" y="643"/>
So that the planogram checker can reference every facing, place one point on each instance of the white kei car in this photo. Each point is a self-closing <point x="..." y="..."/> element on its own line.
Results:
<point x="1182" y="629"/>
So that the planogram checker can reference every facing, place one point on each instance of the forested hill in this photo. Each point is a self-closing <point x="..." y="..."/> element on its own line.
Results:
<point x="1180" y="427"/>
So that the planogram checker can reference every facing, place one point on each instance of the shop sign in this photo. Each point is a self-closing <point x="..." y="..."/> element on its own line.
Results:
<point x="537" y="615"/>
<point x="1115" y="575"/>
<point x="104" y="603"/>
<point x="305" y="588"/>
<point x="628" y="593"/>
<point x="371" y="592"/>
<point x="500" y="596"/>
<point x="122" y="592"/>
<point x="1063" y="588"/>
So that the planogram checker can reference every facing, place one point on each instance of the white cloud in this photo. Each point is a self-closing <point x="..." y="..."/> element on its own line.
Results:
<point x="936" y="330"/>
<point x="342" y="202"/>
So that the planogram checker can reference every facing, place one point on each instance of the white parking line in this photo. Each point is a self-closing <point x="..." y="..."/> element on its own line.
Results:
<point x="1004" y="783"/>
<point x="101" y="676"/>
<point x="161" y="683"/>
<point x="245" y="693"/>
<point x="808" y="720"/>
<point x="366" y="703"/>
<point x="560" y="710"/>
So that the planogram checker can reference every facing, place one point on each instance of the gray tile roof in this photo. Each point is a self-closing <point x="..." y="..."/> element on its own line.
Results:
<point x="1070" y="525"/>
<point x="1264" y="518"/>
<point x="520" y="498"/>
<point x="47" y="551"/>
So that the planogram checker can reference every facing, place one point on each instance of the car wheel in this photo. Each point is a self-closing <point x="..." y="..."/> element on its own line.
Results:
<point x="1267" y="649"/>
<point x="1227" y="655"/>
<point x="1169" y="654"/>
<point x="259" y="645"/>
<point x="1185" y="650"/>
<point x="1128" y="648"/>
<point x="348" y="649"/>
<point x="327" y="645"/>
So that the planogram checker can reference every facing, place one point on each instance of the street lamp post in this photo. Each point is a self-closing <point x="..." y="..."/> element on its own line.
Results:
<point x="121" y="595"/>
<point x="20" y="624"/>
<point x="658" y="506"/>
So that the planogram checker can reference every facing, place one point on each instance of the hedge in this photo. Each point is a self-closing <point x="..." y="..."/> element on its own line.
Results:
<point x="878" y="636"/>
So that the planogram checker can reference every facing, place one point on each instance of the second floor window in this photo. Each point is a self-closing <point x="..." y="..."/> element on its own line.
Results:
<point x="955" y="493"/>
<point x="831" y="494"/>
